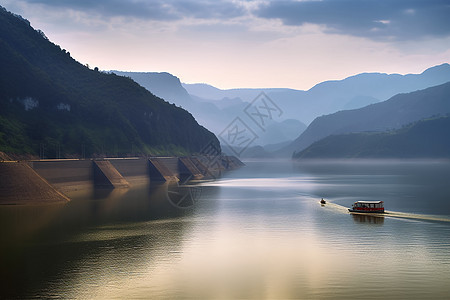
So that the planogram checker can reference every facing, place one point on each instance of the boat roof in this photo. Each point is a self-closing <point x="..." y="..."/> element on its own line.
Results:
<point x="369" y="201"/>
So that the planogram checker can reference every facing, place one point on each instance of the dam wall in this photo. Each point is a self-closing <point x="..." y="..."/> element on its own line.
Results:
<point x="65" y="174"/>
<point x="20" y="184"/>
<point x="46" y="180"/>
<point x="74" y="174"/>
<point x="170" y="163"/>
<point x="107" y="176"/>
<point x="188" y="170"/>
<point x="162" y="170"/>
<point x="131" y="167"/>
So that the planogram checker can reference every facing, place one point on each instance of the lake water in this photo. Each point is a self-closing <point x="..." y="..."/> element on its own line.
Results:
<point x="258" y="232"/>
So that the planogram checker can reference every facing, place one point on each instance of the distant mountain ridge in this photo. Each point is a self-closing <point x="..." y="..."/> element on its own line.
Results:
<point x="162" y="84"/>
<point x="54" y="106"/>
<point x="331" y="96"/>
<point x="214" y="115"/>
<point x="428" y="138"/>
<point x="328" y="97"/>
<point x="399" y="110"/>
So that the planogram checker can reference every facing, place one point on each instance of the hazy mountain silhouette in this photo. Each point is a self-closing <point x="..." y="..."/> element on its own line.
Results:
<point x="427" y="138"/>
<point x="215" y="115"/>
<point x="332" y="96"/>
<point x="163" y="85"/>
<point x="280" y="132"/>
<point x="215" y="108"/>
<point x="169" y="87"/>
<point x="52" y="104"/>
<point x="391" y="114"/>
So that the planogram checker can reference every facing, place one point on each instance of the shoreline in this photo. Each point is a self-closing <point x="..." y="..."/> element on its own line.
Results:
<point x="48" y="181"/>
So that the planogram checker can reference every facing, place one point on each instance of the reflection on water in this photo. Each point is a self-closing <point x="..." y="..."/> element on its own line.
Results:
<point x="260" y="232"/>
<point x="183" y="196"/>
<point x="364" y="218"/>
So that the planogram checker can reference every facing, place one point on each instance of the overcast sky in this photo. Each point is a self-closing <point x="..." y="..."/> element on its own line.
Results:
<point x="238" y="43"/>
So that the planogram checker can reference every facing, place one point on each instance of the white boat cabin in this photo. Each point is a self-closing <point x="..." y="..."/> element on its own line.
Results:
<point x="368" y="204"/>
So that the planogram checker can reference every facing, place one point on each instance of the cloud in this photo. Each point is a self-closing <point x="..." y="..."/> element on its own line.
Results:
<point x="151" y="10"/>
<point x="375" y="19"/>
<point x="209" y="9"/>
<point x="113" y="8"/>
<point x="386" y="20"/>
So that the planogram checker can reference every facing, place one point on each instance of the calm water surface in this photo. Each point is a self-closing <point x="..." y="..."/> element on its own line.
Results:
<point x="258" y="232"/>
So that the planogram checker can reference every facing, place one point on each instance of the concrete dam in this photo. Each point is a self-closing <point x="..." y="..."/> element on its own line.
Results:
<point x="46" y="181"/>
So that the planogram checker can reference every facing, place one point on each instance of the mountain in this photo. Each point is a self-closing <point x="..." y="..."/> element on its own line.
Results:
<point x="54" y="106"/>
<point x="399" y="110"/>
<point x="280" y="132"/>
<point x="168" y="86"/>
<point x="161" y="84"/>
<point x="427" y="138"/>
<point x="215" y="108"/>
<point x="215" y="115"/>
<point x="249" y="153"/>
<point x="205" y="91"/>
<point x="331" y="96"/>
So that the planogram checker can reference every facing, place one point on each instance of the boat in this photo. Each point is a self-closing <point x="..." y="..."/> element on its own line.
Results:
<point x="367" y="207"/>
<point x="323" y="201"/>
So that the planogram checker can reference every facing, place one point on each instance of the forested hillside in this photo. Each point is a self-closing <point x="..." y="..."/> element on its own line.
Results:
<point x="427" y="138"/>
<point x="394" y="113"/>
<point x="53" y="106"/>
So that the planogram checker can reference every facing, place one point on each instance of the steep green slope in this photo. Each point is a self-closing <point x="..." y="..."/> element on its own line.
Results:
<point x="428" y="138"/>
<point x="52" y="105"/>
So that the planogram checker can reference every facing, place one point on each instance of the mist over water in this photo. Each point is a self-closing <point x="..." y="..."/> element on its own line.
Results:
<point x="258" y="232"/>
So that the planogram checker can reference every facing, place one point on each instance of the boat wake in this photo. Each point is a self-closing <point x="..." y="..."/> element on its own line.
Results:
<point x="419" y="217"/>
<point x="392" y="214"/>
<point x="336" y="207"/>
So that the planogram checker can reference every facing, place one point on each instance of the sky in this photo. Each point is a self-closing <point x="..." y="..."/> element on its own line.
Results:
<point x="247" y="43"/>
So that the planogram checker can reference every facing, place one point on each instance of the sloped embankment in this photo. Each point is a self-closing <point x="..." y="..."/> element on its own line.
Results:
<point x="20" y="184"/>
